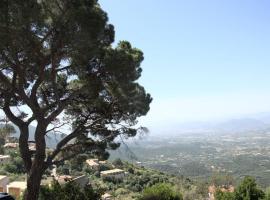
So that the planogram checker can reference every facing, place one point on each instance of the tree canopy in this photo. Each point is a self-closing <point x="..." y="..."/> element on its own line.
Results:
<point x="58" y="66"/>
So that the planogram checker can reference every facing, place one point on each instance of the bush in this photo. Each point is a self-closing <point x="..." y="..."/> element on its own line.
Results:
<point x="118" y="163"/>
<point x="161" y="191"/>
<point x="248" y="190"/>
<point x="113" y="180"/>
<point x="224" y="195"/>
<point x="68" y="191"/>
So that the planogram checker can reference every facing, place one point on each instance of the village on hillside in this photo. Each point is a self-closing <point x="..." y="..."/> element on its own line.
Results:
<point x="17" y="187"/>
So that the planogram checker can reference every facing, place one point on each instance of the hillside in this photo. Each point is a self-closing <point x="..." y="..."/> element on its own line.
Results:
<point x="136" y="179"/>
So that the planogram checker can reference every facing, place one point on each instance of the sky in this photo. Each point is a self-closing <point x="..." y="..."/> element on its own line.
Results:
<point x="204" y="59"/>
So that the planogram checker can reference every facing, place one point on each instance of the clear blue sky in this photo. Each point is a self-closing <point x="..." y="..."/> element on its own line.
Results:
<point x="204" y="59"/>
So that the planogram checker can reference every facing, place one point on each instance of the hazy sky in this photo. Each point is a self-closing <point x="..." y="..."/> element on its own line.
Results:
<point x="204" y="59"/>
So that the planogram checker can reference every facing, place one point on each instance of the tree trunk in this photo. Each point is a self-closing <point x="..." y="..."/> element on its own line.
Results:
<point x="33" y="184"/>
<point x="38" y="165"/>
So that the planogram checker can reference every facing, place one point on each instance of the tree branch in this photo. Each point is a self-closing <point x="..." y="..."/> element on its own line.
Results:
<point x="63" y="142"/>
<point x="16" y="120"/>
<point x="56" y="127"/>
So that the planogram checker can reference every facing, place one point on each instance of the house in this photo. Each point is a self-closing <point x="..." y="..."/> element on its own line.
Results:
<point x="102" y="162"/>
<point x="114" y="173"/>
<point x="11" y="145"/>
<point x="3" y="183"/>
<point x="16" y="188"/>
<point x="4" y="159"/>
<point x="93" y="163"/>
<point x="63" y="179"/>
<point x="106" y="196"/>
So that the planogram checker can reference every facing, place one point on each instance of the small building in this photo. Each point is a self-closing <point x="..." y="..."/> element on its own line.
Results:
<point x="16" y="188"/>
<point x="102" y="162"/>
<point x="4" y="180"/>
<point x="11" y="145"/>
<point x="93" y="163"/>
<point x="4" y="159"/>
<point x="114" y="173"/>
<point x="106" y="196"/>
<point x="63" y="179"/>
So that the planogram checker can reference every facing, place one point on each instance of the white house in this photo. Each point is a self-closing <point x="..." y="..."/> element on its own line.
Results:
<point x="114" y="173"/>
<point x="16" y="188"/>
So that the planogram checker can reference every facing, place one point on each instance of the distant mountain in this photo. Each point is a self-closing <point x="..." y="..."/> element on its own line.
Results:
<point x="264" y="117"/>
<point x="254" y="122"/>
<point x="51" y="139"/>
<point x="241" y="125"/>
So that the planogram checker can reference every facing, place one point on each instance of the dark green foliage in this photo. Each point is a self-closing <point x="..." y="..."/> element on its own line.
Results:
<point x="5" y="131"/>
<point x="131" y="170"/>
<point x="105" y="167"/>
<point x="69" y="191"/>
<point x="63" y="169"/>
<point x="15" y="165"/>
<point x="224" y="195"/>
<point x="248" y="190"/>
<point x="141" y="179"/>
<point x="118" y="163"/>
<point x="161" y="192"/>
<point x="113" y="180"/>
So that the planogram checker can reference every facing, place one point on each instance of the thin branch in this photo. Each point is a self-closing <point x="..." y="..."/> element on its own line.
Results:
<point x="56" y="127"/>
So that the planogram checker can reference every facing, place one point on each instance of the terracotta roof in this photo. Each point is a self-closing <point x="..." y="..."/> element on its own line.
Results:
<point x="11" y="145"/>
<point x="92" y="162"/>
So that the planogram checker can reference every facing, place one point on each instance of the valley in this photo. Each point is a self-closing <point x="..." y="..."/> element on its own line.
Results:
<point x="201" y="156"/>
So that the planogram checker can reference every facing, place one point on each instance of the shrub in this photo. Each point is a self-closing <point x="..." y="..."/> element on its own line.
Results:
<point x="68" y="191"/>
<point x="224" y="195"/>
<point x="248" y="189"/>
<point x="161" y="191"/>
<point x="118" y="163"/>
